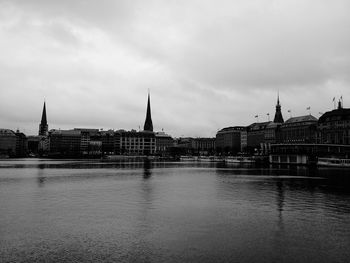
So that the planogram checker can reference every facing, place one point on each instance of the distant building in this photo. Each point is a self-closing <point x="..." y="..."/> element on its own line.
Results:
<point x="8" y="142"/>
<point x="108" y="140"/>
<point x="135" y="143"/>
<point x="163" y="143"/>
<point x="43" y="126"/>
<point x="231" y="140"/>
<point x="272" y="129"/>
<point x="203" y="146"/>
<point x="256" y="135"/>
<point x="33" y="144"/>
<point x="13" y="144"/>
<point x="334" y="126"/>
<point x="21" y="144"/>
<point x="66" y="143"/>
<point x="300" y="129"/>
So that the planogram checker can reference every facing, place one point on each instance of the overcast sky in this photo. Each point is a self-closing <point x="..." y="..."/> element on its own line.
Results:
<point x="208" y="64"/>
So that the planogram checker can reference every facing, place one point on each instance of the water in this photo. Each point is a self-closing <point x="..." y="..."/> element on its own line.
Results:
<point x="90" y="211"/>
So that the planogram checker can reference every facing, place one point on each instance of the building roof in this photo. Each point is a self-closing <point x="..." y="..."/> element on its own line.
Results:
<point x="338" y="114"/>
<point x="258" y="125"/>
<point x="233" y="128"/>
<point x="305" y="118"/>
<point x="7" y="132"/>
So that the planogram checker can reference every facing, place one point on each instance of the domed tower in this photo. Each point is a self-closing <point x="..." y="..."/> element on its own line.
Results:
<point x="278" y="115"/>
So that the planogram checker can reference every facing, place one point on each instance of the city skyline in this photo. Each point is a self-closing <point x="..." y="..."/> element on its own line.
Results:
<point x="207" y="66"/>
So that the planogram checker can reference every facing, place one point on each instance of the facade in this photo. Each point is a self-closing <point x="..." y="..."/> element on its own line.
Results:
<point x="65" y="142"/>
<point x="8" y="140"/>
<point x="108" y="139"/>
<point x="256" y="136"/>
<point x="43" y="126"/>
<point x="163" y="143"/>
<point x="300" y="129"/>
<point x="21" y="144"/>
<point x="13" y="144"/>
<point x="33" y="145"/>
<point x="204" y="146"/>
<point x="77" y="142"/>
<point x="136" y="143"/>
<point x="231" y="140"/>
<point x="334" y="126"/>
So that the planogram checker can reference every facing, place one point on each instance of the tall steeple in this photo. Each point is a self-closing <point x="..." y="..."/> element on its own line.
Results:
<point x="148" y="122"/>
<point x="278" y="115"/>
<point x="43" y="126"/>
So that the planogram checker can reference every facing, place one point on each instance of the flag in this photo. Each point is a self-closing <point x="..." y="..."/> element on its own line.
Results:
<point x="308" y="108"/>
<point x="256" y="116"/>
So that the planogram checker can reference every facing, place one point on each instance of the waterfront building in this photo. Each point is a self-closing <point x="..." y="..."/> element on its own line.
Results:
<point x="108" y="140"/>
<point x="33" y="144"/>
<point x="8" y="140"/>
<point x="256" y="136"/>
<point x="65" y="143"/>
<point x="76" y="142"/>
<point x="231" y="140"/>
<point x="135" y="143"/>
<point x="334" y="126"/>
<point x="43" y="126"/>
<point x="272" y="130"/>
<point x="163" y="143"/>
<point x="203" y="146"/>
<point x="21" y="144"/>
<point x="300" y="129"/>
<point x="13" y="144"/>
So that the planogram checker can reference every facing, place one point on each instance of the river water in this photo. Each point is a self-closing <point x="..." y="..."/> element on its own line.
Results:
<point x="92" y="211"/>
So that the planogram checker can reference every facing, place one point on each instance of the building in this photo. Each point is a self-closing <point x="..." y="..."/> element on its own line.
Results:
<point x="21" y="144"/>
<point x="203" y="146"/>
<point x="256" y="136"/>
<point x="108" y="140"/>
<point x="43" y="126"/>
<point x="334" y="126"/>
<point x="231" y="140"/>
<point x="300" y="129"/>
<point x="66" y="143"/>
<point x="136" y="143"/>
<point x="13" y="144"/>
<point x="8" y="142"/>
<point x="272" y="130"/>
<point x="163" y="143"/>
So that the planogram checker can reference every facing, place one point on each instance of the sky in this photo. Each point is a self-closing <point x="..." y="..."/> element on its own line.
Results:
<point x="207" y="64"/>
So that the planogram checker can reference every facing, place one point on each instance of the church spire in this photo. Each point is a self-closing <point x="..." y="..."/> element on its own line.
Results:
<point x="43" y="126"/>
<point x="278" y="115"/>
<point x="148" y="122"/>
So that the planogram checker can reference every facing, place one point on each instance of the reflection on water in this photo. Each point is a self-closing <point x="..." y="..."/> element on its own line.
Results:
<point x="78" y="210"/>
<point x="147" y="166"/>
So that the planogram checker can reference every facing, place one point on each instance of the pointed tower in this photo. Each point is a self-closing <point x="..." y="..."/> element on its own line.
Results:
<point x="43" y="126"/>
<point x="148" y="122"/>
<point x="278" y="115"/>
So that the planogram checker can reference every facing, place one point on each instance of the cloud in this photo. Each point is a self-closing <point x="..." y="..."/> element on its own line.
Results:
<point x="208" y="65"/>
